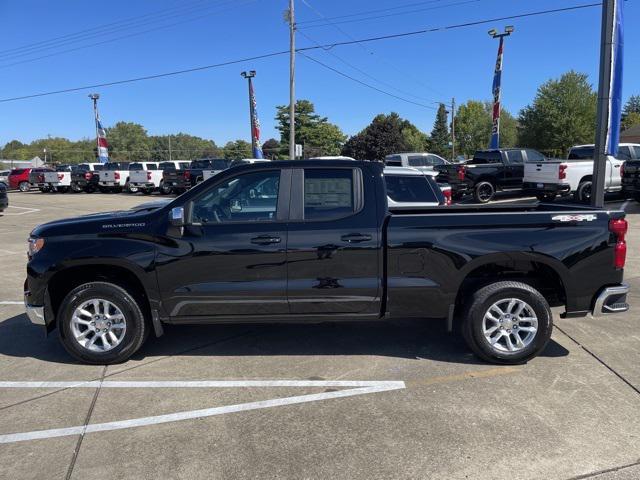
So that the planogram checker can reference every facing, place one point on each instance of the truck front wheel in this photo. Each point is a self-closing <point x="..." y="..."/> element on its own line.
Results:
<point x="507" y="323"/>
<point x="100" y="323"/>
<point x="483" y="192"/>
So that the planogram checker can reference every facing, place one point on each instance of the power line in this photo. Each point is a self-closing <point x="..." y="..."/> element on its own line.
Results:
<point x="81" y="47"/>
<point x="364" y="83"/>
<point x="370" y="52"/>
<point x="379" y="10"/>
<point x="304" y="49"/>
<point x="100" y="28"/>
<point x="353" y="20"/>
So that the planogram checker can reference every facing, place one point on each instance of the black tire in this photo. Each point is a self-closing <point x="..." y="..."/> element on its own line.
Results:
<point x="45" y="189"/>
<point x="546" y="197"/>
<point x="147" y="191"/>
<point x="583" y="192"/>
<point x="136" y="327"/>
<point x="63" y="189"/>
<point x="483" y="192"/>
<point x="75" y="188"/>
<point x="103" y="189"/>
<point x="480" y="304"/>
<point x="165" y="189"/>
<point x="90" y="189"/>
<point x="24" y="186"/>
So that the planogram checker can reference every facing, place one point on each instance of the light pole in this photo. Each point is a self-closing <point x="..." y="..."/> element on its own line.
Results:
<point x="95" y="97"/>
<point x="497" y="79"/>
<point x="292" y="81"/>
<point x="253" y="116"/>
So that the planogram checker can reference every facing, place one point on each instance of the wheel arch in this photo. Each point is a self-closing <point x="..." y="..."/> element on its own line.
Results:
<point x="65" y="280"/>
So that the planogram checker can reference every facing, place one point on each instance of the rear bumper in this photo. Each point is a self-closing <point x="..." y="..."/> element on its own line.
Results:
<point x="611" y="300"/>
<point x="143" y="184"/>
<point x="558" y="188"/>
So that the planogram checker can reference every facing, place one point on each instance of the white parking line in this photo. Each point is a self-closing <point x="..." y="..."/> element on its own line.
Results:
<point x="361" y="388"/>
<point x="11" y="303"/>
<point x="624" y="206"/>
<point x="29" y="210"/>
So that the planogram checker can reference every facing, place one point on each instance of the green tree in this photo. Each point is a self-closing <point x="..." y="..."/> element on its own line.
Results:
<point x="440" y="137"/>
<point x="128" y="141"/>
<point x="183" y="147"/>
<point x="273" y="150"/>
<point x="473" y="127"/>
<point x="631" y="112"/>
<point x="385" y="135"/>
<point x="237" y="149"/>
<point x="313" y="131"/>
<point x="562" y="114"/>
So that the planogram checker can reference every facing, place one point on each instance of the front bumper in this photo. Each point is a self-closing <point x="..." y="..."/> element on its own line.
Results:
<point x="35" y="313"/>
<point x="611" y="300"/>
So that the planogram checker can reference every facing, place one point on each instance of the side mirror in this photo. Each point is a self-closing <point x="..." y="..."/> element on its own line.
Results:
<point x="176" y="217"/>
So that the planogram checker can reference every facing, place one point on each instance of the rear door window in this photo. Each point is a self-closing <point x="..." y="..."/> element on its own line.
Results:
<point x="328" y="193"/>
<point x="515" y="157"/>
<point x="409" y="188"/>
<point x="482" y="158"/>
<point x="535" y="156"/>
<point x="624" y="153"/>
<point x="393" y="160"/>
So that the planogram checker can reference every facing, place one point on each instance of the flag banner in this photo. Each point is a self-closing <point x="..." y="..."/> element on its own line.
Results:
<point x="255" y="124"/>
<point x="497" y="79"/>
<point x="615" y="87"/>
<point x="103" y="146"/>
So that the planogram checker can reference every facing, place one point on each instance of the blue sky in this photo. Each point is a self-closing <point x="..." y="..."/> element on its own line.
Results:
<point x="213" y="103"/>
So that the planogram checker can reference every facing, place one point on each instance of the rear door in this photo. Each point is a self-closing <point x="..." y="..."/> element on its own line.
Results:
<point x="514" y="168"/>
<point x="334" y="246"/>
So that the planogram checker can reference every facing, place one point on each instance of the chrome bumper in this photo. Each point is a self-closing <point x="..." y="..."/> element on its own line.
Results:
<point x="35" y="314"/>
<point x="611" y="300"/>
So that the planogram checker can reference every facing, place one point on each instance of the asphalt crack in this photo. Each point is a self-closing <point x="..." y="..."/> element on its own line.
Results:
<point x="76" y="450"/>
<point x="611" y="369"/>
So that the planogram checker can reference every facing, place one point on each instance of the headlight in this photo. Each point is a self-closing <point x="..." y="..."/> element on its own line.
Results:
<point x="34" y="245"/>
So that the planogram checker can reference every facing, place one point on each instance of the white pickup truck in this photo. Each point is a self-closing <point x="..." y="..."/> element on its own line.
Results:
<point x="144" y="176"/>
<point x="114" y="177"/>
<point x="573" y="176"/>
<point x="60" y="180"/>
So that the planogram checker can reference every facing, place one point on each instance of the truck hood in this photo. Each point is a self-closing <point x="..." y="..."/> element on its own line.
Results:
<point x="125" y="221"/>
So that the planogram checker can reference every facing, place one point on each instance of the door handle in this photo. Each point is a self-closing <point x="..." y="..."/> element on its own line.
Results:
<point x="355" y="238"/>
<point x="265" y="240"/>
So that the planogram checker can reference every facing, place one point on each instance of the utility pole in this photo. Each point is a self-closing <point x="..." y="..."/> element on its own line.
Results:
<point x="497" y="88"/>
<point x="453" y="129"/>
<point x="95" y="97"/>
<point x="292" y="81"/>
<point x="609" y="96"/>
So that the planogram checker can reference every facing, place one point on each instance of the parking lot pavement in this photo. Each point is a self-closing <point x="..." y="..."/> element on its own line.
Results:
<point x="570" y="413"/>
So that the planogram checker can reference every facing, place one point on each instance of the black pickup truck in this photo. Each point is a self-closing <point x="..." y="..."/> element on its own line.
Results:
<point x="183" y="179"/>
<point x="487" y="172"/>
<point x="630" y="171"/>
<point x="311" y="241"/>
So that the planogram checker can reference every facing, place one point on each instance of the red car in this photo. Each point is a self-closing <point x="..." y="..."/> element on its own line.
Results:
<point x="19" y="179"/>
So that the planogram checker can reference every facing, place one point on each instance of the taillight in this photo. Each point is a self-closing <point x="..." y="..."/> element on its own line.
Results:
<point x="149" y="176"/>
<point x="447" y="196"/>
<point x="60" y="176"/>
<point x="622" y="169"/>
<point x="562" y="174"/>
<point x="619" y="228"/>
<point x="187" y="175"/>
<point x="116" y="175"/>
<point x="41" y="178"/>
<point x="88" y="175"/>
<point x="461" y="172"/>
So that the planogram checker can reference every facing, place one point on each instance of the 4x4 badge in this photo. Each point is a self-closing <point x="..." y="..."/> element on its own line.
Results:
<point x="574" y="218"/>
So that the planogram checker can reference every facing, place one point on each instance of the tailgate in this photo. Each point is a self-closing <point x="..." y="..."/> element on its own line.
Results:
<point x="447" y="173"/>
<point x="107" y="176"/>
<point x="542" y="172"/>
<point x="138" y="176"/>
<point x="51" y="177"/>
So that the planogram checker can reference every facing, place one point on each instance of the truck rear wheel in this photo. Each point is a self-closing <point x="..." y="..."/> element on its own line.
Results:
<point x="24" y="186"/>
<point x="100" y="323"/>
<point x="165" y="189"/>
<point x="583" y="192"/>
<point x="483" y="192"/>
<point x="507" y="323"/>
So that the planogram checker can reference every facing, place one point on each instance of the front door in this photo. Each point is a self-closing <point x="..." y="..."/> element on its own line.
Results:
<point x="230" y="259"/>
<point x="514" y="169"/>
<point x="334" y="247"/>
